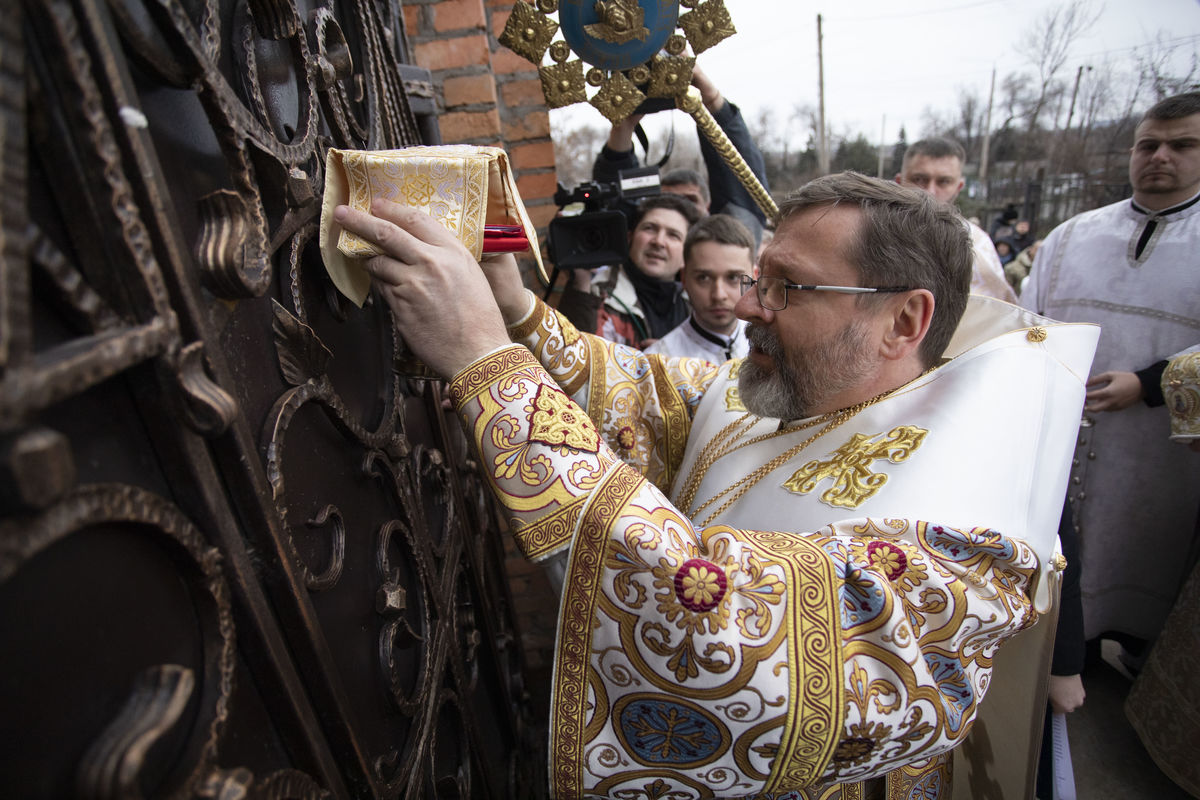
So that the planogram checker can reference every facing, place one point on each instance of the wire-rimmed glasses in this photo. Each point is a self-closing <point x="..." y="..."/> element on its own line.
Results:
<point x="772" y="290"/>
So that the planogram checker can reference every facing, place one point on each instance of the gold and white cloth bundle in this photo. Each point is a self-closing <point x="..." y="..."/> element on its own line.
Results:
<point x="464" y="187"/>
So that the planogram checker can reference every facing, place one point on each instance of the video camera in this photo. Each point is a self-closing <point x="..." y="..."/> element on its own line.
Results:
<point x="600" y="234"/>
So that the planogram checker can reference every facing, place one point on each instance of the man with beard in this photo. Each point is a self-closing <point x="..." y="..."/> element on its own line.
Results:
<point x="820" y="597"/>
<point x="1132" y="268"/>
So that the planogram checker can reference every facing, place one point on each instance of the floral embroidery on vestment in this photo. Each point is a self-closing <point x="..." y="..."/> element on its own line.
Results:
<point x="626" y="438"/>
<point x="555" y="420"/>
<point x="888" y="559"/>
<point x="700" y="584"/>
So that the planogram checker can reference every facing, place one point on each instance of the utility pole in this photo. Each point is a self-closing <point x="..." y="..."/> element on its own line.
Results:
<point x="1074" y="94"/>
<point x="822" y="144"/>
<point x="987" y="138"/>
<point x="1056" y="162"/>
<point x="882" y="128"/>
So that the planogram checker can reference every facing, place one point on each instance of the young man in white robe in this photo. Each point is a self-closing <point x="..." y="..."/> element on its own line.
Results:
<point x="718" y="255"/>
<point x="1133" y="267"/>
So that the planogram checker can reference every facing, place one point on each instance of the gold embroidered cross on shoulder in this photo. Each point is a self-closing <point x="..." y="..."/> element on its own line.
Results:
<point x="850" y="466"/>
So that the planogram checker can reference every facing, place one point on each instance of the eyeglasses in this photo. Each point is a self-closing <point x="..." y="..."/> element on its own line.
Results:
<point x="772" y="290"/>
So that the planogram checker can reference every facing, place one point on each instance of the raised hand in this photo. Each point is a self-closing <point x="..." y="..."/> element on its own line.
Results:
<point x="440" y="297"/>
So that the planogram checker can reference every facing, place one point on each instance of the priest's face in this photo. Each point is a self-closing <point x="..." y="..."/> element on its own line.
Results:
<point x="798" y="381"/>
<point x="1164" y="166"/>
<point x="814" y="355"/>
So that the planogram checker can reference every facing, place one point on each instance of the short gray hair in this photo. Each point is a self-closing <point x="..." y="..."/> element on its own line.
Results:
<point x="906" y="239"/>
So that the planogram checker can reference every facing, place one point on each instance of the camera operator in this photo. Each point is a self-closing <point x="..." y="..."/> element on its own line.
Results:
<point x="724" y="193"/>
<point x="641" y="299"/>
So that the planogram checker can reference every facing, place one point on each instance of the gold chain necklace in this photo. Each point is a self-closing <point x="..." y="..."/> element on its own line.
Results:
<point x="723" y="444"/>
<point x="709" y="456"/>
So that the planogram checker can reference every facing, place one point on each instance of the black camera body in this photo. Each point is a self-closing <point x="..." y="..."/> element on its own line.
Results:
<point x="600" y="234"/>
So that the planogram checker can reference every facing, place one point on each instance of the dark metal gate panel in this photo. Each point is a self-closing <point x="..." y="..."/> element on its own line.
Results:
<point x="242" y="554"/>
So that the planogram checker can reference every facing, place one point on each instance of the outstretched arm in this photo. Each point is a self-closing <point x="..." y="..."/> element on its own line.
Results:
<point x="642" y="404"/>
<point x="723" y="184"/>
<point x="617" y="153"/>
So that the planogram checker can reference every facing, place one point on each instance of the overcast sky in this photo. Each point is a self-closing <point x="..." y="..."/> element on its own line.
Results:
<point x="893" y="59"/>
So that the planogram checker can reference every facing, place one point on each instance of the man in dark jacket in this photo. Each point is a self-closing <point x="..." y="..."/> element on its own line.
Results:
<point x="640" y="300"/>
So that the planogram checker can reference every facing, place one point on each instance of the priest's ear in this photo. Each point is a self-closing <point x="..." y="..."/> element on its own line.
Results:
<point x="906" y="323"/>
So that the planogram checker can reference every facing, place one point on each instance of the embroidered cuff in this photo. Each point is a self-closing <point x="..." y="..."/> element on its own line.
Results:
<point x="499" y="363"/>
<point x="532" y="302"/>
<point x="529" y="323"/>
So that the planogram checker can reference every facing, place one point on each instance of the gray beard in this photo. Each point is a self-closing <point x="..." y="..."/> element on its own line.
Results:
<point x="800" y="380"/>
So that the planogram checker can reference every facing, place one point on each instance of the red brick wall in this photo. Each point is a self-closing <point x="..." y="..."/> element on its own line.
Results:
<point x="489" y="95"/>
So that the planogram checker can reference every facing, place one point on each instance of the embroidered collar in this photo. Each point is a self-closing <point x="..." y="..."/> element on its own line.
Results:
<point x="725" y="343"/>
<point x="1186" y="204"/>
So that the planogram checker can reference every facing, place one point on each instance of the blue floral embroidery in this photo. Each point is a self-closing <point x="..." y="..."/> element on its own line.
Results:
<point x="947" y="672"/>
<point x="667" y="732"/>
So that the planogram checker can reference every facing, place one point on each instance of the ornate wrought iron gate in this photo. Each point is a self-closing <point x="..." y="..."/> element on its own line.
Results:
<point x="241" y="555"/>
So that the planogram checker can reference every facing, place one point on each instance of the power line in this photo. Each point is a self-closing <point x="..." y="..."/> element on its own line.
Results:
<point x="925" y="13"/>
<point x="1144" y="45"/>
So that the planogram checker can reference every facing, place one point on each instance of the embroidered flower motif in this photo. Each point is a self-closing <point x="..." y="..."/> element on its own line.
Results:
<point x="865" y="739"/>
<point x="888" y="559"/>
<point x="626" y="438"/>
<point x="700" y="585"/>
<point x="557" y="421"/>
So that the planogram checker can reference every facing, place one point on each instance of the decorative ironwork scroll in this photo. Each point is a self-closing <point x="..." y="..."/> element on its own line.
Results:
<point x="240" y="554"/>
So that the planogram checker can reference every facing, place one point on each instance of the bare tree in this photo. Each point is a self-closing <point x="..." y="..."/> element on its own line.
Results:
<point x="1154" y="67"/>
<point x="971" y="110"/>
<point x="1046" y="45"/>
<point x="575" y="148"/>
<point x="936" y="122"/>
<point x="964" y="123"/>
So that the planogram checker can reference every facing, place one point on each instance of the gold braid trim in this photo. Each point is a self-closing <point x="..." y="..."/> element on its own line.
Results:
<point x="523" y="330"/>
<point x="691" y="103"/>
<point x="553" y="339"/>
<point x="551" y="533"/>
<point x="476" y="378"/>
<point x="581" y="592"/>
<point x="598" y="388"/>
<point x="677" y="422"/>
<point x="817" y="712"/>
<point x="902" y="781"/>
